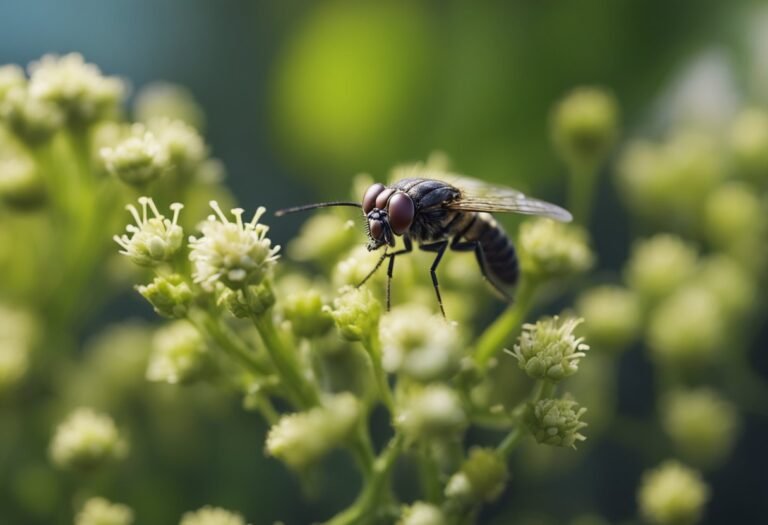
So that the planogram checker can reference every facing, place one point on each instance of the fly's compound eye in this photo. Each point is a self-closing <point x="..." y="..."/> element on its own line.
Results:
<point x="401" y="211"/>
<point x="369" y="199"/>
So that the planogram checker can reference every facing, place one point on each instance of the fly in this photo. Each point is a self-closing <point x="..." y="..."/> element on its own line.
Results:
<point x="443" y="212"/>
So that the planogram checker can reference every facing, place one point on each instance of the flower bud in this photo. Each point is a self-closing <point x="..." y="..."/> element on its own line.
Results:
<point x="585" y="126"/>
<point x="99" y="511"/>
<point x="163" y="99"/>
<point x="301" y="439"/>
<point x="86" y="440"/>
<point x="212" y="516"/>
<point x="324" y="237"/>
<point x="182" y="143"/>
<point x="733" y="214"/>
<point x="434" y="412"/>
<point x="748" y="143"/>
<point x="613" y="316"/>
<point x="153" y="240"/>
<point x="652" y="177"/>
<point x="687" y="328"/>
<point x="137" y="160"/>
<point x="734" y="287"/>
<point x="78" y="89"/>
<point x="672" y="494"/>
<point x="248" y="302"/>
<point x="30" y="118"/>
<point x="306" y="313"/>
<point x="702" y="425"/>
<point x="236" y="254"/>
<point x="421" y="513"/>
<point x="482" y="477"/>
<point x="11" y="78"/>
<point x="549" y="349"/>
<point x="551" y="250"/>
<point x="556" y="422"/>
<point x="354" y="267"/>
<point x="659" y="265"/>
<point x="420" y="345"/>
<point x="179" y="355"/>
<point x="170" y="296"/>
<point x="356" y="313"/>
<point x="21" y="186"/>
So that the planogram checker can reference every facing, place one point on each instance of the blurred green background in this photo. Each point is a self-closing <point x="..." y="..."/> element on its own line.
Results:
<point x="300" y="96"/>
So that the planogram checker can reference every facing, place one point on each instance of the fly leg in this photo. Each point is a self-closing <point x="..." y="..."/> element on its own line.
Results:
<point x="458" y="245"/>
<point x="439" y="248"/>
<point x="390" y="269"/>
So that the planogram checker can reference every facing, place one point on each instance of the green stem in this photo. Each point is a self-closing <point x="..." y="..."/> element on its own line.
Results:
<point x="510" y="442"/>
<point x="285" y="362"/>
<point x="362" y="450"/>
<point x="373" y="346"/>
<point x="375" y="490"/>
<point x="213" y="328"/>
<point x="581" y="190"/>
<point x="507" y="325"/>
<point x="429" y="475"/>
<point x="542" y="389"/>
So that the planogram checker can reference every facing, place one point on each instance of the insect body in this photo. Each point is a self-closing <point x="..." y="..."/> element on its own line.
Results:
<point x="439" y="214"/>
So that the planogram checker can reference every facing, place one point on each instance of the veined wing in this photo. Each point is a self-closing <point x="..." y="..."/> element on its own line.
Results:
<point x="477" y="195"/>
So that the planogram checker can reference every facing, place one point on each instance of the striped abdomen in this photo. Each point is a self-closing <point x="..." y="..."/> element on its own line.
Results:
<point x="498" y="250"/>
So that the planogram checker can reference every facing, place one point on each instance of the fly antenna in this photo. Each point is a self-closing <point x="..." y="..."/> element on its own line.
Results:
<point x="286" y="211"/>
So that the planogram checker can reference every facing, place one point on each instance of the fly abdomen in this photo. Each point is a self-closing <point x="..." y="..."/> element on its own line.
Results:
<point x="498" y="250"/>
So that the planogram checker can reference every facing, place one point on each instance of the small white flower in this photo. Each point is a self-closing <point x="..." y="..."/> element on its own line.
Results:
<point x="236" y="254"/>
<point x="549" y="349"/>
<point x="212" y="516"/>
<point x="85" y="440"/>
<point x="99" y="511"/>
<point x="139" y="159"/>
<point x="153" y="239"/>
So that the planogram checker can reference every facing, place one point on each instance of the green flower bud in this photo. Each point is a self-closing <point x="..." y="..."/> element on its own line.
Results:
<point x="99" y="511"/>
<point x="354" y="267"/>
<point x="672" y="494"/>
<point x="21" y="186"/>
<point x="651" y="177"/>
<point x="324" y="237"/>
<point x="356" y="313"/>
<point x="307" y="314"/>
<point x="250" y="301"/>
<point x="421" y="513"/>
<point x="86" y="440"/>
<point x="749" y="144"/>
<point x="32" y="119"/>
<point x="179" y="355"/>
<point x="613" y="316"/>
<point x="170" y="296"/>
<point x="153" y="240"/>
<point x="734" y="287"/>
<point x="235" y="254"/>
<point x="551" y="250"/>
<point x="137" y="160"/>
<point x="11" y="77"/>
<point x="17" y="336"/>
<point x="301" y="439"/>
<point x="434" y="412"/>
<point x="733" y="214"/>
<point x="556" y="422"/>
<point x="419" y="344"/>
<point x="687" y="328"/>
<point x="659" y="265"/>
<point x="182" y="143"/>
<point x="77" y="88"/>
<point x="585" y="126"/>
<point x="482" y="477"/>
<point x="549" y="349"/>
<point x="702" y="425"/>
<point x="162" y="99"/>
<point x="212" y="516"/>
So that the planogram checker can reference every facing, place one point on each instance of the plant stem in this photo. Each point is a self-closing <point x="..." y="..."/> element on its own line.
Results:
<point x="362" y="450"/>
<point x="581" y="188"/>
<point x="285" y="362"/>
<point x="375" y="490"/>
<point x="506" y="325"/>
<point x="510" y="442"/>
<point x="373" y="346"/>
<point x="429" y="475"/>
<point x="541" y="390"/>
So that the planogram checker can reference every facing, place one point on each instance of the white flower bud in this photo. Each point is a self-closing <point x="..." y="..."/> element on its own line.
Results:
<point x="672" y="494"/>
<point x="86" y="440"/>
<point x="153" y="240"/>
<point x="549" y="349"/>
<point x="99" y="511"/>
<point x="212" y="516"/>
